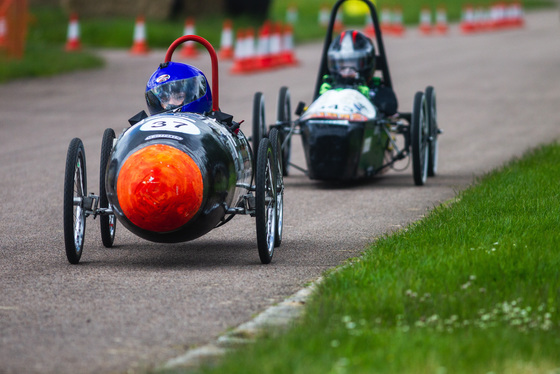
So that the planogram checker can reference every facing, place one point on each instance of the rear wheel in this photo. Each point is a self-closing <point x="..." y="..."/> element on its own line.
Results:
<point x="259" y="123"/>
<point x="284" y="117"/>
<point x="274" y="138"/>
<point x="74" y="214"/>
<point x="419" y="140"/>
<point x="433" y="130"/>
<point x="107" y="223"/>
<point x="265" y="201"/>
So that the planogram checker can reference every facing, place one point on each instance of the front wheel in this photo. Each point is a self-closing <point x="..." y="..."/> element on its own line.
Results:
<point x="107" y="223"/>
<point x="274" y="138"/>
<point x="74" y="214"/>
<point x="419" y="140"/>
<point x="259" y="124"/>
<point x="284" y="117"/>
<point x="433" y="130"/>
<point x="265" y="201"/>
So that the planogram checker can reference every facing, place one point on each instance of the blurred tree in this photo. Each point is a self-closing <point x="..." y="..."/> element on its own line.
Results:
<point x="191" y="8"/>
<point x="254" y="8"/>
<point x="161" y="9"/>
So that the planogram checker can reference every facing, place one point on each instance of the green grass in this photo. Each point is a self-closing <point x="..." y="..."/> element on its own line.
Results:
<point x="472" y="288"/>
<point x="44" y="60"/>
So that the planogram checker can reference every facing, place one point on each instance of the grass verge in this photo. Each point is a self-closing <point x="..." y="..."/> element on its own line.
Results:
<point x="46" y="60"/>
<point x="472" y="288"/>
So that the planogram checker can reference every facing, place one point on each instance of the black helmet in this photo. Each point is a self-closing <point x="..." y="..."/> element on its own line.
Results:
<point x="351" y="52"/>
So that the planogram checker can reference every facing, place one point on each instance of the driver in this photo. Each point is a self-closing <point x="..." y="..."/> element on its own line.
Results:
<point x="180" y="87"/>
<point x="351" y="64"/>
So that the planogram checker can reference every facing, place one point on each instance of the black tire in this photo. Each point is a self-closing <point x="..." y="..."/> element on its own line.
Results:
<point x="274" y="138"/>
<point x="284" y="116"/>
<point x="433" y="129"/>
<point x="107" y="223"/>
<point x="75" y="189"/>
<point x="265" y="201"/>
<point x="259" y="123"/>
<point x="419" y="140"/>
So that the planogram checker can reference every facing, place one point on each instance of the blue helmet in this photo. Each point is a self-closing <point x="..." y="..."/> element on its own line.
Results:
<point x="176" y="85"/>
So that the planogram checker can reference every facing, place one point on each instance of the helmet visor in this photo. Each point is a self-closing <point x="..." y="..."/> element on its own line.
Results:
<point x="175" y="94"/>
<point x="339" y="62"/>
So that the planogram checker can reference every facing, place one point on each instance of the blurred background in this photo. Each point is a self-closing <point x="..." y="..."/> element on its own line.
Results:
<point x="36" y="36"/>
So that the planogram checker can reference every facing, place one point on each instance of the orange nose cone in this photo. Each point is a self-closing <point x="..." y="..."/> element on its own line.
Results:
<point x="159" y="188"/>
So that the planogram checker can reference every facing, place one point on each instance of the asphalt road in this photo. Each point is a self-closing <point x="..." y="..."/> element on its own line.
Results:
<point x="139" y="304"/>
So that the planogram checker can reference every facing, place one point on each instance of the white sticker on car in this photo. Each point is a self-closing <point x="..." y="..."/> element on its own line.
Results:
<point x="347" y="104"/>
<point x="367" y="145"/>
<point x="183" y="125"/>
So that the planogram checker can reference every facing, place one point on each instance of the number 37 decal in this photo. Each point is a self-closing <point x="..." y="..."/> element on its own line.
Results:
<point x="183" y="125"/>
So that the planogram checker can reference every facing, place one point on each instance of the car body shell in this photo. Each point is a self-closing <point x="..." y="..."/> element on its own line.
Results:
<point x="223" y="157"/>
<point x="342" y="136"/>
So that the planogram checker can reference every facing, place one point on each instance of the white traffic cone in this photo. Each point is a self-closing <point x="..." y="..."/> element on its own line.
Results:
<point x="442" y="26"/>
<point x="369" y="29"/>
<point x="288" y="56"/>
<point x="468" y="24"/>
<point x="189" y="48"/>
<point x="244" y="60"/>
<point x="397" y="27"/>
<point x="3" y="31"/>
<point x="226" y="42"/>
<point x="276" y="45"/>
<point x="386" y="20"/>
<point x="324" y="16"/>
<point x="425" y="26"/>
<point x="73" y="35"/>
<point x="264" y="58"/>
<point x="139" y="45"/>
<point x="292" y="14"/>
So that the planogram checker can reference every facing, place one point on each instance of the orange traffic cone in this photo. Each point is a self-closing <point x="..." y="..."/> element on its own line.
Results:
<point x="139" y="45"/>
<point x="482" y="19"/>
<point x="425" y="26"/>
<point x="292" y="14"/>
<point x="244" y="53"/>
<point x="386" y="20"/>
<point x="468" y="24"/>
<point x="264" y="58"/>
<point x="442" y="27"/>
<point x="369" y="30"/>
<point x="250" y="50"/>
<point x="397" y="27"/>
<point x="338" y="24"/>
<point x="276" y="45"/>
<point x="239" y="53"/>
<point x="73" y="35"/>
<point x="3" y="31"/>
<point x="288" y="56"/>
<point x="516" y="15"/>
<point x="189" y="48"/>
<point x="498" y="16"/>
<point x="226" y="42"/>
<point x="324" y="16"/>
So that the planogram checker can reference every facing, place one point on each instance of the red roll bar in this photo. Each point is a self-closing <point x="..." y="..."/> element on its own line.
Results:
<point x="213" y="58"/>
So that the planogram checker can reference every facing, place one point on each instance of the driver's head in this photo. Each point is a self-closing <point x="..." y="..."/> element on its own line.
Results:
<point x="352" y="56"/>
<point x="175" y="85"/>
